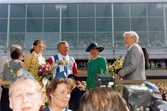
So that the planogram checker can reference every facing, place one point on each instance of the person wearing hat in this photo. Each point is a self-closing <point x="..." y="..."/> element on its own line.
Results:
<point x="24" y="92"/>
<point x="95" y="65"/>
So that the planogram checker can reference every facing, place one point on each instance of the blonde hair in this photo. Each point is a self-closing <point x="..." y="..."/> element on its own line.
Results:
<point x="102" y="99"/>
<point x="37" y="86"/>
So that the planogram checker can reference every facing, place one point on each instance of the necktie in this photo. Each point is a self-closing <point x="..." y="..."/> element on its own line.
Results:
<point x="65" y="66"/>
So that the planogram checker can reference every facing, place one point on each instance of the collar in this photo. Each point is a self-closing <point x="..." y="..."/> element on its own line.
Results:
<point x="131" y="46"/>
<point x="74" y="86"/>
<point x="37" y="55"/>
<point x="94" y="58"/>
<point x="52" y="110"/>
<point x="63" y="56"/>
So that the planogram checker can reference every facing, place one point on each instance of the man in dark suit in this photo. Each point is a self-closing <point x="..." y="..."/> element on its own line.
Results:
<point x="76" y="94"/>
<point x="134" y="62"/>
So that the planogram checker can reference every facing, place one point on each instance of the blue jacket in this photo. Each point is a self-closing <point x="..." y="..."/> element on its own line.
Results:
<point x="47" y="109"/>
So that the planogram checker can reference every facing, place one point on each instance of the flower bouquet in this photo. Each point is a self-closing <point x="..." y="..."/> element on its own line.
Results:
<point x="117" y="65"/>
<point x="43" y="70"/>
<point x="46" y="70"/>
<point x="114" y="69"/>
<point x="62" y="62"/>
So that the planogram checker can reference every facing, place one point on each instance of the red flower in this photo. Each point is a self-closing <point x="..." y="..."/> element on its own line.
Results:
<point x="43" y="70"/>
<point x="46" y="70"/>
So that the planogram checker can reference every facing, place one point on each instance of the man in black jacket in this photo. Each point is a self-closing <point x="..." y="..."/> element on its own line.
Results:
<point x="75" y="94"/>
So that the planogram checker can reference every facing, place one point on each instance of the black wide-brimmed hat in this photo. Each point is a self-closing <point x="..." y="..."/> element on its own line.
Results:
<point x="94" y="45"/>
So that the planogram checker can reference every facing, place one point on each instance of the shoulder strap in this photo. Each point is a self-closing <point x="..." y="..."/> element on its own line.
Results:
<point x="71" y="58"/>
<point x="152" y="103"/>
<point x="55" y="58"/>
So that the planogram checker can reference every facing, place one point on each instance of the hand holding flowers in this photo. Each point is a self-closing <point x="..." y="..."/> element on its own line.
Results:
<point x="116" y="66"/>
<point x="64" y="63"/>
<point x="114" y="69"/>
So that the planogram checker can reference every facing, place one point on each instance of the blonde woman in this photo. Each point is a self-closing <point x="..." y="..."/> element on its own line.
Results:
<point x="33" y="61"/>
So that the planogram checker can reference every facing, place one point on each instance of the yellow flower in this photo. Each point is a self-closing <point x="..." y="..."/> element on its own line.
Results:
<point x="114" y="69"/>
<point x="119" y="66"/>
<point x="121" y="58"/>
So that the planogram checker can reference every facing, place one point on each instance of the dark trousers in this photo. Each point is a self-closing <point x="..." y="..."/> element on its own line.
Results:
<point x="5" y="99"/>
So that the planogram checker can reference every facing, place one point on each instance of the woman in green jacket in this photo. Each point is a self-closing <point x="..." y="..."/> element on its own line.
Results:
<point x="96" y="65"/>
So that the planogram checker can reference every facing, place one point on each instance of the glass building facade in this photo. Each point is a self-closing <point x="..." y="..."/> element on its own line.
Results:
<point x="82" y="23"/>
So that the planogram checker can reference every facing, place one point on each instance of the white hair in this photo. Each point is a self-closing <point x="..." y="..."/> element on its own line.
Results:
<point x="133" y="34"/>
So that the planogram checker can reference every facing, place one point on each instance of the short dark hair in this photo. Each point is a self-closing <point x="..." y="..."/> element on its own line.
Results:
<point x="16" y="53"/>
<point x="72" y="76"/>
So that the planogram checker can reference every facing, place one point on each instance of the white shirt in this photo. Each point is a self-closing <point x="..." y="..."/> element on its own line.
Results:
<point x="131" y="46"/>
<point x="40" y="58"/>
<point x="52" y="110"/>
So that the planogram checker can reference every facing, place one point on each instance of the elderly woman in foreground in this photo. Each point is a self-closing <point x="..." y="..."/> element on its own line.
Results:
<point x="102" y="99"/>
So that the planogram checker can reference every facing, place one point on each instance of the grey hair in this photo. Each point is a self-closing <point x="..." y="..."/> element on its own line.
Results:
<point x="61" y="42"/>
<point x="133" y="34"/>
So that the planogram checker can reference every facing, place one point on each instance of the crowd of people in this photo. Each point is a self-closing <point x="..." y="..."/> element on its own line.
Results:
<point x="64" y="92"/>
<point x="157" y="64"/>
